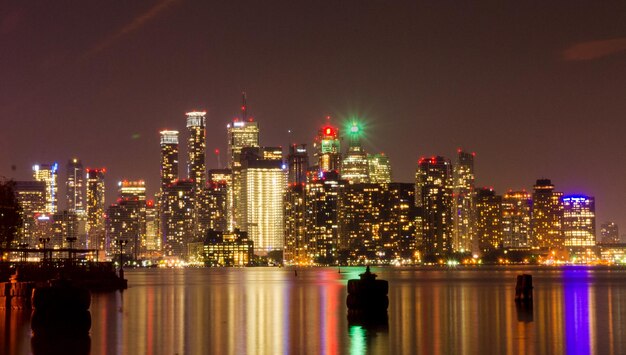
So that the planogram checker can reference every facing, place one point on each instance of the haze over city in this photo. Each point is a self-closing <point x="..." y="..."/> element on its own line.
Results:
<point x="535" y="89"/>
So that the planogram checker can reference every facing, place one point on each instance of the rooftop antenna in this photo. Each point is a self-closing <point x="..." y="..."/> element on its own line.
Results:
<point x="219" y="162"/>
<point x="244" y="107"/>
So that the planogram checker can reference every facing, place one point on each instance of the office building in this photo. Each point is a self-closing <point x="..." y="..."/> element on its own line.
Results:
<point x="48" y="173"/>
<point x="516" y="214"/>
<point x="75" y="186"/>
<point x="379" y="168"/>
<point x="355" y="166"/>
<point x="547" y="216"/>
<point x="579" y="221"/>
<point x="488" y="220"/>
<point x="95" y="203"/>
<point x="464" y="211"/>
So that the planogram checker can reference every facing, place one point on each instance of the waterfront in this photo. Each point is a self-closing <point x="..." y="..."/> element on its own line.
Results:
<point x="576" y="310"/>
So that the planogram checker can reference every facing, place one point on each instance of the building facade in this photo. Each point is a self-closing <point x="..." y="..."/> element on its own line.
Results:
<point x="464" y="239"/>
<point x="48" y="173"/>
<point x="579" y="221"/>
<point x="547" y="216"/>
<point x="516" y="213"/>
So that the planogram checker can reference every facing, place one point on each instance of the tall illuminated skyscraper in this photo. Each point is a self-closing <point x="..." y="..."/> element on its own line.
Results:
<point x="126" y="220"/>
<point x="547" y="216"/>
<point x="48" y="173"/>
<point x="355" y="166"/>
<point x="75" y="186"/>
<point x="31" y="196"/>
<point x="296" y="245"/>
<point x="169" y="157"/>
<point x="433" y="195"/>
<point x="178" y="225"/>
<point x="298" y="163"/>
<point x="579" y="221"/>
<point x="327" y="149"/>
<point x="95" y="209"/>
<point x="464" y="210"/>
<point x="196" y="148"/>
<point x="488" y="220"/>
<point x="379" y="168"/>
<point x="516" y="212"/>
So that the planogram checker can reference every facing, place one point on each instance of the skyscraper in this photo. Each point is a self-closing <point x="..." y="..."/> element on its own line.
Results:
<point x="433" y="195"/>
<point x="126" y="220"/>
<point x="464" y="210"/>
<point x="48" y="173"/>
<point x="579" y="221"/>
<point x="327" y="149"/>
<point x="196" y="148"/>
<point x="547" y="216"/>
<point x="178" y="221"/>
<point x="610" y="233"/>
<point x="296" y="248"/>
<point x="355" y="166"/>
<point x="298" y="163"/>
<point x="516" y="212"/>
<point x="169" y="157"/>
<point x="488" y="220"/>
<point x="95" y="209"/>
<point x="379" y="168"/>
<point x="31" y="195"/>
<point x="75" y="186"/>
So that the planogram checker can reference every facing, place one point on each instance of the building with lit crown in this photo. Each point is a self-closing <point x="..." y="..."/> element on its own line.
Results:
<point x="579" y="221"/>
<point x="48" y="173"/>
<point x="75" y="186"/>
<point x="433" y="196"/>
<point x="488" y="220"/>
<point x="196" y="147"/>
<point x="327" y="149"/>
<point x="464" y="195"/>
<point x="516" y="213"/>
<point x="547" y="216"/>
<point x="355" y="166"/>
<point x="169" y="157"/>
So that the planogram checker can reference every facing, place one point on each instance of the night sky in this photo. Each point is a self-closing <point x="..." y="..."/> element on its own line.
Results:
<point x="536" y="89"/>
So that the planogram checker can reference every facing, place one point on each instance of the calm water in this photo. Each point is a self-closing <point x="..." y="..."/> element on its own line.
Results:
<point x="270" y="311"/>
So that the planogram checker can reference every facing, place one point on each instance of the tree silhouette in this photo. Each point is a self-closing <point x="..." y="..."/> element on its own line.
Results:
<point x="10" y="209"/>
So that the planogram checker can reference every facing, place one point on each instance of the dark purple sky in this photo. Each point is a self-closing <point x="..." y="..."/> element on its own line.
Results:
<point x="536" y="89"/>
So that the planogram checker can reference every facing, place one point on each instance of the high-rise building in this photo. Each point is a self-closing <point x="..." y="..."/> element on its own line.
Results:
<point x="48" y="173"/>
<point x="196" y="148"/>
<point x="579" y="221"/>
<point x="95" y="209"/>
<point x="433" y="195"/>
<point x="75" y="186"/>
<point x="153" y="242"/>
<point x="169" y="158"/>
<point x="516" y="212"/>
<point x="327" y="149"/>
<point x="399" y="230"/>
<point x="65" y="225"/>
<point x="355" y="166"/>
<point x="379" y="168"/>
<point x="126" y="220"/>
<point x="263" y="186"/>
<point x="547" y="216"/>
<point x="322" y="218"/>
<point x="464" y="211"/>
<point x="31" y="195"/>
<point x="610" y="233"/>
<point x="298" y="162"/>
<point x="215" y="202"/>
<point x="488" y="220"/>
<point x="296" y="248"/>
<point x="360" y="209"/>
<point x="178" y="225"/>
<point x="222" y="180"/>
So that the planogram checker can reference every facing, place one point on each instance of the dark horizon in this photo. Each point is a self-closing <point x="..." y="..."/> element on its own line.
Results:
<point x="534" y="89"/>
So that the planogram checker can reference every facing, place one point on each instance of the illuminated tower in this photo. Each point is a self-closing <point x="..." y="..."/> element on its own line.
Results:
<point x="178" y="221"/>
<point x="516" y="208"/>
<point x="609" y="232"/>
<point x="327" y="149"/>
<point x="31" y="196"/>
<point x="379" y="168"/>
<point x="95" y="209"/>
<point x="169" y="157"/>
<point x="296" y="246"/>
<point x="196" y="147"/>
<point x="126" y="220"/>
<point x="242" y="132"/>
<point x="75" y="185"/>
<point x="355" y="166"/>
<point x="547" y="216"/>
<point x="48" y="173"/>
<point x="433" y="194"/>
<point x="579" y="221"/>
<point x="488" y="220"/>
<point x="464" y="211"/>
<point x="298" y="162"/>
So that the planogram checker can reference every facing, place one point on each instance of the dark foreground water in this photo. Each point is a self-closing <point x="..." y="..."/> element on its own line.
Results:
<point x="271" y="311"/>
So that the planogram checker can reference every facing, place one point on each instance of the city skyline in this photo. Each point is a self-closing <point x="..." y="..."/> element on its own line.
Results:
<point x="534" y="96"/>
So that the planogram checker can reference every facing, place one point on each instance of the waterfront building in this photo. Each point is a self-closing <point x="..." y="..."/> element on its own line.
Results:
<point x="399" y="230"/>
<point x="215" y="203"/>
<point x="464" y="239"/>
<point x="196" y="148"/>
<point x="31" y="195"/>
<point x="95" y="209"/>
<point x="75" y="186"/>
<point x="355" y="166"/>
<point x="609" y="233"/>
<point x="298" y="164"/>
<point x="48" y="173"/>
<point x="547" y="216"/>
<point x="488" y="220"/>
<point x="126" y="220"/>
<point x="296" y="249"/>
<point x="223" y="248"/>
<point x="152" y="242"/>
<point x="579" y="221"/>
<point x="65" y="225"/>
<point x="327" y="150"/>
<point x="516" y="213"/>
<point x="169" y="157"/>
<point x="222" y="179"/>
<point x="177" y="224"/>
<point x="360" y="209"/>
<point x="433" y="195"/>
<point x="379" y="168"/>
<point x="263" y="186"/>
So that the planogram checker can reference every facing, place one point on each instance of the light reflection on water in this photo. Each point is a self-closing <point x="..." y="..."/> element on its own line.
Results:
<point x="271" y="311"/>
